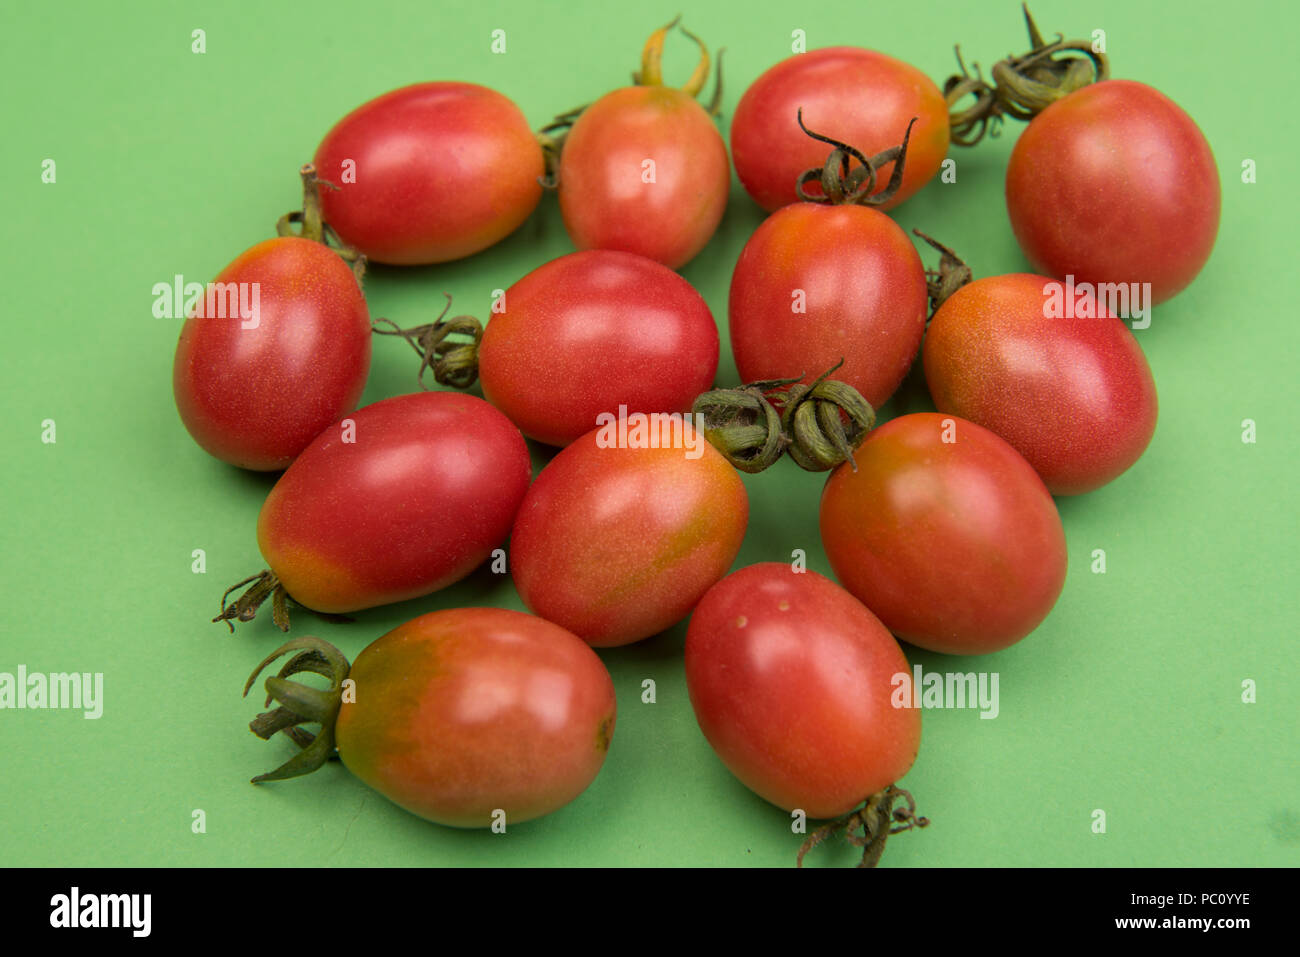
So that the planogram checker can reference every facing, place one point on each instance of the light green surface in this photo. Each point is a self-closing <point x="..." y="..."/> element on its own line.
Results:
<point x="1128" y="699"/>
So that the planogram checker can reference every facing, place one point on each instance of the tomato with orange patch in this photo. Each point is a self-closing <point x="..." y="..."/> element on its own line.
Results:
<point x="403" y="498"/>
<point x="617" y="543"/>
<point x="469" y="717"/>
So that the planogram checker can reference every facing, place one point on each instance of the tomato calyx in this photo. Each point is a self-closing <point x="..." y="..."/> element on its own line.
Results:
<point x="651" y="73"/>
<point x="744" y="425"/>
<point x="551" y="139"/>
<point x="878" y="818"/>
<point x="1023" y="86"/>
<point x="818" y="424"/>
<point x="301" y="704"/>
<point x="263" y="585"/>
<point x="454" y="361"/>
<point x="952" y="274"/>
<point x="1028" y="84"/>
<point x="311" y="223"/>
<point x="968" y="125"/>
<point x="845" y="185"/>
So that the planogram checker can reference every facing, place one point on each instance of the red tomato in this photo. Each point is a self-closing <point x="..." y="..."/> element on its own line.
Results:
<point x="815" y="284"/>
<point x="254" y="391"/>
<point x="589" y="332"/>
<point x="430" y="173"/>
<point x="644" y="170"/>
<point x="859" y="97"/>
<point x="1074" y="396"/>
<point x="946" y="533"/>
<point x="467" y="712"/>
<point x="791" y="679"/>
<point x="428" y="485"/>
<point x="1115" y="183"/>
<point x="619" y="543"/>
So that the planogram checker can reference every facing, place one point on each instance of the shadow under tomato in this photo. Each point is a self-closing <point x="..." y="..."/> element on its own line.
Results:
<point x="248" y="481"/>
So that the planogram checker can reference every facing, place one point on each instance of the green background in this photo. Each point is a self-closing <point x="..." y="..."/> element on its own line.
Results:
<point x="1127" y="699"/>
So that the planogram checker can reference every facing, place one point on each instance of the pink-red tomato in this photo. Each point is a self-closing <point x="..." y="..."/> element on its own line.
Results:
<point x="406" y="496"/>
<point x="462" y="715"/>
<point x="792" y="681"/>
<point x="593" y="331"/>
<point x="1074" y="396"/>
<point x="255" y="389"/>
<point x="816" y="284"/>
<point x="946" y="533"/>
<point x="1115" y="183"/>
<point x="617" y="541"/>
<point x="644" y="170"/>
<point x="859" y="97"/>
<point x="429" y="173"/>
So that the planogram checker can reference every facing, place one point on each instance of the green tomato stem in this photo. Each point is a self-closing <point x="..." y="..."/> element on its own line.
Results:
<point x="311" y="222"/>
<point x="969" y="124"/>
<point x="454" y="363"/>
<point x="877" y="819"/>
<point x="264" y="585"/>
<point x="1023" y="86"/>
<point x="755" y="424"/>
<point x="951" y="275"/>
<point x="843" y="184"/>
<point x="301" y="704"/>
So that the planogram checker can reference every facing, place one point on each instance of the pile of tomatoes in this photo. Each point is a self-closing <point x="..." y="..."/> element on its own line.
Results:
<point x="940" y="527"/>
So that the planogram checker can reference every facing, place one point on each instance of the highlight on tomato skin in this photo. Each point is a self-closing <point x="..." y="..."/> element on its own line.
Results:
<point x="478" y="716"/>
<point x="617" y="541"/>
<point x="593" y="331"/>
<point x="1115" y="183"/>
<point x="404" y="497"/>
<point x="1072" y="392"/>
<point x="430" y="173"/>
<point x="859" y="96"/>
<point x="946" y="533"/>
<point x="254" y="390"/>
<point x="792" y="681"/>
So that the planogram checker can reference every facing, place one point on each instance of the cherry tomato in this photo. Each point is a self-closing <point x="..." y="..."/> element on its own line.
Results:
<point x="819" y="283"/>
<point x="644" y="170"/>
<point x="429" y="173"/>
<point x="946" y="533"/>
<point x="1074" y="396"/>
<point x="1115" y="183"/>
<point x="617" y="543"/>
<point x="405" y="497"/>
<point x="255" y="390"/>
<point x="467" y="713"/>
<point x="857" y="96"/>
<point x="792" y="681"/>
<point x="589" y="332"/>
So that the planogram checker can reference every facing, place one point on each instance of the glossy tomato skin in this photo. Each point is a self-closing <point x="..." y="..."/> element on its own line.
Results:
<point x="428" y="486"/>
<point x="815" y="284"/>
<point x="441" y="171"/>
<point x="1115" y="183"/>
<point x="619" y="543"/>
<point x="1074" y="396"/>
<point x="254" y="392"/>
<point x="956" y="546"/>
<point x="463" y="713"/>
<point x="859" y="97"/>
<point x="607" y="196"/>
<point x="589" y="332"/>
<point x="792" y="682"/>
